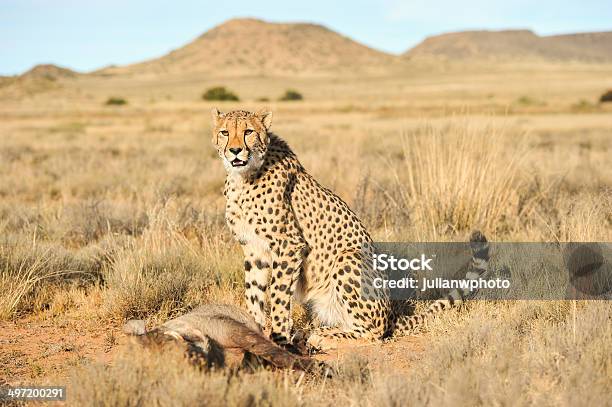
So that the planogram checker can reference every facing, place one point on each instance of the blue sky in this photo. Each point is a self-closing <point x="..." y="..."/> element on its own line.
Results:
<point x="88" y="34"/>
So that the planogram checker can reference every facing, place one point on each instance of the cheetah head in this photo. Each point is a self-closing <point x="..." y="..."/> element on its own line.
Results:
<point x="241" y="139"/>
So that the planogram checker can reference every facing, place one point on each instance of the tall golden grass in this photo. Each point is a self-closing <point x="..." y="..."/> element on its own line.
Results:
<point x="136" y="216"/>
<point x="464" y="176"/>
<point x="163" y="273"/>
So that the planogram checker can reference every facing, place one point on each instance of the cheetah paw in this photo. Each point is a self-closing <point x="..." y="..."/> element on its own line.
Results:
<point x="318" y="343"/>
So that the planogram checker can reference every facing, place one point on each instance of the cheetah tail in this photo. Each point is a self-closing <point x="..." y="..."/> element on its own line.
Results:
<point x="477" y="269"/>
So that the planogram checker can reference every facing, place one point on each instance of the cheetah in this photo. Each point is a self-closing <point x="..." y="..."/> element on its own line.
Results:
<point x="302" y="242"/>
<point x="207" y="331"/>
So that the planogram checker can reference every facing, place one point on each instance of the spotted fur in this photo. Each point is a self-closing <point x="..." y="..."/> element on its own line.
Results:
<point x="300" y="240"/>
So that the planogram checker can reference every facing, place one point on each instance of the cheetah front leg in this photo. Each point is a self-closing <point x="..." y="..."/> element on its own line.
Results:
<point x="285" y="274"/>
<point x="256" y="277"/>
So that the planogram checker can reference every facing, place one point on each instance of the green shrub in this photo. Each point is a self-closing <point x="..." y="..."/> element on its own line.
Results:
<point x="606" y="97"/>
<point x="529" y="101"/>
<point x="115" y="101"/>
<point x="583" y="105"/>
<point x="263" y="99"/>
<point x="291" y="94"/>
<point x="525" y="100"/>
<point x="219" y="93"/>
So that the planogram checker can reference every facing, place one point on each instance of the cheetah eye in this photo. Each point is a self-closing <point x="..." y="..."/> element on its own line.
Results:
<point x="247" y="132"/>
<point x="224" y="133"/>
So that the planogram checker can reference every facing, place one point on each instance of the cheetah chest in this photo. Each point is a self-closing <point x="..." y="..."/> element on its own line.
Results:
<point x="236" y="216"/>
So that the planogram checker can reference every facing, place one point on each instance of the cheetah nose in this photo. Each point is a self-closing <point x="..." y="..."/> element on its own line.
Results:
<point x="235" y="150"/>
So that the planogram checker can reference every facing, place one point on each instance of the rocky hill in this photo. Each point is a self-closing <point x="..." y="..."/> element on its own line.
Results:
<point x="256" y="47"/>
<point x="514" y="45"/>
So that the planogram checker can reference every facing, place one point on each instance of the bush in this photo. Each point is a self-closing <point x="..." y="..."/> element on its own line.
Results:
<point x="583" y="105"/>
<point x="31" y="275"/>
<point x="606" y="97"/>
<point x="115" y="101"/>
<point x="151" y="276"/>
<point x="162" y="273"/>
<point x="219" y="93"/>
<point x="443" y="165"/>
<point x="291" y="94"/>
<point x="263" y="99"/>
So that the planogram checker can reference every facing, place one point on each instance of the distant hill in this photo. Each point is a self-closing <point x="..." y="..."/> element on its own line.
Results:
<point x="511" y="45"/>
<point x="251" y="47"/>
<point x="40" y="78"/>
<point x="594" y="47"/>
<point x="49" y="72"/>
<point x="255" y="47"/>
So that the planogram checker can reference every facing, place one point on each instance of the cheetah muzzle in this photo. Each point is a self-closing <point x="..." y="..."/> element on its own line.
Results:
<point x="238" y="162"/>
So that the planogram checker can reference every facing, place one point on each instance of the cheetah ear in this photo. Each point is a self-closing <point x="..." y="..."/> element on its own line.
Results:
<point x="266" y="118"/>
<point x="216" y="115"/>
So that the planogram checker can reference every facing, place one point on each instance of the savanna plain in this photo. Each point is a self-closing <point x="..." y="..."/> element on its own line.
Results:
<point x="112" y="212"/>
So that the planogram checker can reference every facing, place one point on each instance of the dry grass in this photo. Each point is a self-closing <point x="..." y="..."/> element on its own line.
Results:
<point x="31" y="273"/>
<point x="140" y="378"/>
<point x="517" y="353"/>
<point x="462" y="177"/>
<point x="108" y="214"/>
<point x="18" y="279"/>
<point x="165" y="273"/>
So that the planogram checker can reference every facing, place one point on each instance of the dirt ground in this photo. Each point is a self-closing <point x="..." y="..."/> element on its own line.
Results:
<point x="34" y="349"/>
<point x="48" y="350"/>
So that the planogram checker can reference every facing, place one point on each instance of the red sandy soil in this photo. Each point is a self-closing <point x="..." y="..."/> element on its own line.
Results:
<point x="31" y="349"/>
<point x="34" y="351"/>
